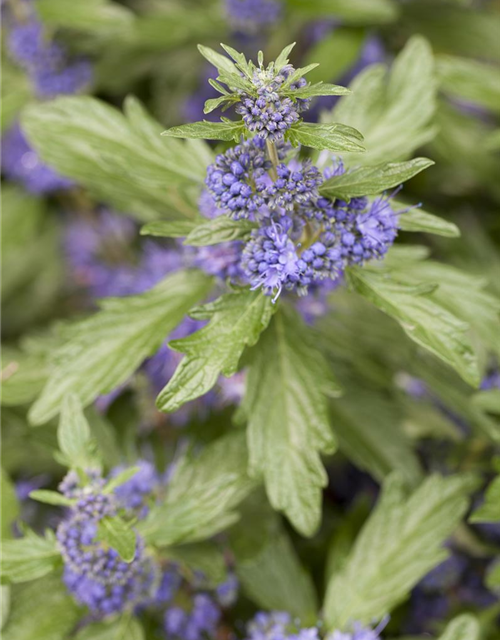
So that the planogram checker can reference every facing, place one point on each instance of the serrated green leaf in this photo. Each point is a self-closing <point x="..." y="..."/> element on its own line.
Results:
<point x="267" y="564"/>
<point x="349" y="11"/>
<point x="367" y="181"/>
<point x="73" y="434"/>
<point x="121" y="478"/>
<point x="239" y="58"/>
<point x="102" y="352"/>
<point x="120" y="158"/>
<point x="119" y="536"/>
<point x="282" y="59"/>
<point x="464" y="627"/>
<point x="220" y="62"/>
<point x="418" y="220"/>
<point x="208" y="130"/>
<point x="423" y="319"/>
<point x="202" y="494"/>
<point x="488" y="401"/>
<point x="28" y="558"/>
<point x="319" y="89"/>
<point x="170" y="229"/>
<point x="393" y="109"/>
<point x="51" y="497"/>
<point x="215" y="103"/>
<point x="9" y="505"/>
<point x="236" y="321"/>
<point x="401" y="541"/>
<point x="333" y="137"/>
<point x="219" y="229"/>
<point x="289" y="428"/>
<point x="470" y="80"/>
<point x="489" y="511"/>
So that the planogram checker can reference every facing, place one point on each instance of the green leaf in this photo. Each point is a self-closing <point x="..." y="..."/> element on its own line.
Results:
<point x="125" y="628"/>
<point x="219" y="229"/>
<point x="267" y="564"/>
<point x="488" y="401"/>
<point x="170" y="229"/>
<point x="220" y="62"/>
<point x="282" y="59"/>
<point x="121" y="478"/>
<point x="236" y="321"/>
<point x="215" y="103"/>
<point x="120" y="159"/>
<point x="349" y="11"/>
<point x="319" y="89"/>
<point x="418" y="220"/>
<point x="367" y="181"/>
<point x="28" y="558"/>
<point x="16" y="92"/>
<point x="119" y="536"/>
<point x="202" y="494"/>
<point x="463" y="627"/>
<point x="400" y="542"/>
<point x="206" y="557"/>
<point x="42" y="610"/>
<point x="51" y="497"/>
<point x="103" y="351"/>
<point x="93" y="16"/>
<point x="289" y="428"/>
<point x="394" y="110"/>
<point x="208" y="130"/>
<point x="23" y="376"/>
<point x="489" y="511"/>
<point x="470" y="80"/>
<point x="73" y="434"/>
<point x="9" y="505"/>
<point x="423" y="319"/>
<point x="334" y="137"/>
<point x="4" y="604"/>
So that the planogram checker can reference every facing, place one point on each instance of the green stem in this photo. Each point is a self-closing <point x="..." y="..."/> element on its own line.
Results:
<point x="273" y="156"/>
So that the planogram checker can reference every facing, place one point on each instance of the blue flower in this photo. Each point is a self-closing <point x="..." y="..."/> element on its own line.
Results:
<point x="296" y="186"/>
<point x="136" y="494"/>
<point x="360" y="632"/>
<point x="227" y="591"/>
<point x="196" y="624"/>
<point x="249" y="16"/>
<point x="269" y="626"/>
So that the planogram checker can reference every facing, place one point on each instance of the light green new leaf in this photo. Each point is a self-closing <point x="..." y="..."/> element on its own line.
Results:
<point x="222" y="63"/>
<point x="267" y="564"/>
<point x="29" y="557"/>
<point x="51" y="497"/>
<point x="367" y="181"/>
<point x="119" y="536"/>
<point x="418" y="220"/>
<point x="470" y="80"/>
<point x="393" y="109"/>
<point x="464" y="627"/>
<point x="220" y="229"/>
<point x="334" y="137"/>
<point x="103" y="351"/>
<point x="120" y="158"/>
<point x="42" y="610"/>
<point x="400" y="542"/>
<point x="489" y="511"/>
<point x="215" y="103"/>
<point x="202" y="494"/>
<point x="488" y="400"/>
<point x="282" y="59"/>
<point x="319" y="89"/>
<point x="9" y="505"/>
<point x="289" y="428"/>
<point x="170" y="229"/>
<point x="236" y="321"/>
<point x="208" y="130"/>
<point x="423" y="318"/>
<point x="73" y="434"/>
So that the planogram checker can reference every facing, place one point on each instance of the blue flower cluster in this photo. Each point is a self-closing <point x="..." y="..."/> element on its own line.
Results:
<point x="199" y="623"/>
<point x="47" y="64"/>
<point x="250" y="16"/>
<point x="94" y="572"/>
<point x="136" y="494"/>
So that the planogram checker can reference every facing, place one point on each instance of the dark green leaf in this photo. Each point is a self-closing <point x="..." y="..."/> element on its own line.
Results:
<point x="29" y="557"/>
<point x="119" y="536"/>
<point x="334" y="137"/>
<point x="103" y="351"/>
<point x="236" y="321"/>
<point x="170" y="229"/>
<point x="400" y="542"/>
<point x="220" y="229"/>
<point x="367" y="181"/>
<point x="202" y="494"/>
<point x="208" y="130"/>
<point x="289" y="428"/>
